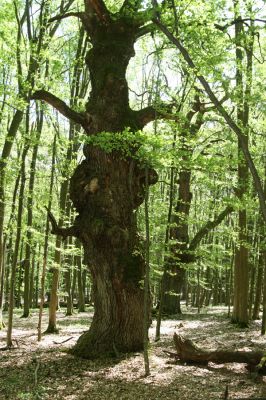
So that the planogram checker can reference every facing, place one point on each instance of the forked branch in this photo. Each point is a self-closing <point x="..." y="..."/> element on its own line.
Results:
<point x="99" y="9"/>
<point x="59" y="105"/>
<point x="60" y="231"/>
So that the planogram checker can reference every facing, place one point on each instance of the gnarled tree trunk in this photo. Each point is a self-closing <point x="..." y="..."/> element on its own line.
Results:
<point x="105" y="190"/>
<point x="108" y="186"/>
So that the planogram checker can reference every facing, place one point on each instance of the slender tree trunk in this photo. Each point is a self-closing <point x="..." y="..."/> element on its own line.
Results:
<point x="84" y="284"/>
<point x="67" y="276"/>
<point x="16" y="249"/>
<point x="198" y="290"/>
<point x="179" y="257"/>
<point x="74" y="281"/>
<point x="163" y="283"/>
<point x="37" y="279"/>
<point x="53" y="304"/>
<point x="46" y="237"/>
<point x="175" y="278"/>
<point x="5" y="154"/>
<point x="7" y="274"/>
<point x="241" y="272"/>
<point x="9" y="246"/>
<point x="68" y="273"/>
<point x="252" y="269"/>
<point x="26" y="308"/>
<point x="263" y="323"/>
<point x="263" y="261"/>
<point x="258" y="293"/>
<point x="81" y="297"/>
<point x="19" y="279"/>
<point x="32" y="272"/>
<point x="147" y="300"/>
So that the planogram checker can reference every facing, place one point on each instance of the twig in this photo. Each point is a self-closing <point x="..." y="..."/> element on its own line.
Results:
<point x="37" y="362"/>
<point x="170" y="353"/>
<point x="64" y="341"/>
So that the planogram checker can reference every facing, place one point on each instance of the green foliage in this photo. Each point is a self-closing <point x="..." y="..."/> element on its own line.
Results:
<point x="156" y="74"/>
<point x="144" y="147"/>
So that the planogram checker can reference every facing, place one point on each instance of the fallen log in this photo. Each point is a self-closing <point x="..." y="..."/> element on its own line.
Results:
<point x="188" y="352"/>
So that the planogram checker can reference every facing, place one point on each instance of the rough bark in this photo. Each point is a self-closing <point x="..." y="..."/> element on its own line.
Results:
<point x="106" y="190"/>
<point x="107" y="187"/>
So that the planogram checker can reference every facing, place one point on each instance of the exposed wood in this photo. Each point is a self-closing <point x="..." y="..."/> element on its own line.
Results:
<point x="188" y="352"/>
<point x="64" y="341"/>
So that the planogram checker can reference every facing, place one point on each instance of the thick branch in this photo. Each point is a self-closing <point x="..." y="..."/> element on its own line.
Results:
<point x="64" y="232"/>
<point x="99" y="9"/>
<point x="80" y="15"/>
<point x="235" y="21"/>
<point x="59" y="105"/>
<point x="208" y="226"/>
<point x="146" y="29"/>
<point x="150" y="113"/>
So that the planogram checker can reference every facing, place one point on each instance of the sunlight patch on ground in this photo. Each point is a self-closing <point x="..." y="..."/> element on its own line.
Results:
<point x="63" y="376"/>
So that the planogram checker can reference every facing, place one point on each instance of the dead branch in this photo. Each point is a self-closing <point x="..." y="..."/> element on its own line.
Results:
<point x="64" y="341"/>
<point x="188" y="352"/>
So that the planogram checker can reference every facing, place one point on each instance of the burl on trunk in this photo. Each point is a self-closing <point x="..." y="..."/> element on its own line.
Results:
<point x="106" y="190"/>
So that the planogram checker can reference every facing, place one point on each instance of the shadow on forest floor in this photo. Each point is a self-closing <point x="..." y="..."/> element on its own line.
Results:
<point x="63" y="376"/>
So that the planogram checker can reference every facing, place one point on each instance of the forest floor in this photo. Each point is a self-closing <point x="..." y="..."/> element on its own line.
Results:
<point x="46" y="371"/>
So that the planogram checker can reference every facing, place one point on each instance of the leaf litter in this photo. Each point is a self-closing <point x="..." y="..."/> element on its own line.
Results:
<point x="46" y="370"/>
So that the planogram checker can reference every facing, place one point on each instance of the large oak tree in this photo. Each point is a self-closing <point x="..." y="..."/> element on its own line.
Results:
<point x="107" y="188"/>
